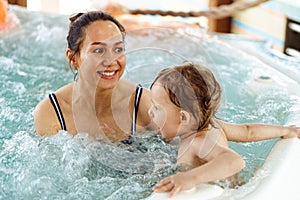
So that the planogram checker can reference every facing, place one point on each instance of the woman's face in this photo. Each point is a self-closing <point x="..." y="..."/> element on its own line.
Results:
<point x="102" y="58"/>
<point x="164" y="113"/>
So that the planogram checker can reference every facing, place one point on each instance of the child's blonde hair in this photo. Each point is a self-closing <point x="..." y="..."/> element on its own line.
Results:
<point x="192" y="88"/>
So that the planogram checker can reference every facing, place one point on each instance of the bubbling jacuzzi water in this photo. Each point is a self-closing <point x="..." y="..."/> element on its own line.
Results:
<point x="33" y="64"/>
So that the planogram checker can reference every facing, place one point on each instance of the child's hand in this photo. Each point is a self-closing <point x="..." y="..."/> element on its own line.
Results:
<point x="294" y="132"/>
<point x="174" y="184"/>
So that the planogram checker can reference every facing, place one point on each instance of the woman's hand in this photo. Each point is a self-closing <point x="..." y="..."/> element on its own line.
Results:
<point x="175" y="183"/>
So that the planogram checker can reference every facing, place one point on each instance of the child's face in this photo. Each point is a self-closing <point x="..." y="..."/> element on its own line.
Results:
<point x="164" y="113"/>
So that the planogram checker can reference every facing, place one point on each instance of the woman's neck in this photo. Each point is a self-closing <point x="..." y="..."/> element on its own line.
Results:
<point x="103" y="100"/>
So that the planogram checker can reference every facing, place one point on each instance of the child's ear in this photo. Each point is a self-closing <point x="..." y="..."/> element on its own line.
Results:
<point x="185" y="117"/>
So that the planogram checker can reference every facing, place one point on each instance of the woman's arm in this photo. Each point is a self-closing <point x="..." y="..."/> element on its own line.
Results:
<point x="257" y="132"/>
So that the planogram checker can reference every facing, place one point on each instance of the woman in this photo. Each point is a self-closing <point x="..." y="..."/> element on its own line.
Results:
<point x="98" y="102"/>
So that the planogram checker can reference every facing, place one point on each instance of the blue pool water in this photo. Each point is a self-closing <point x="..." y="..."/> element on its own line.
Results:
<point x="33" y="64"/>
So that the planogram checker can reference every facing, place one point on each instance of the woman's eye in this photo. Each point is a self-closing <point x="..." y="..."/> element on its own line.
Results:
<point x="100" y="50"/>
<point x="119" y="49"/>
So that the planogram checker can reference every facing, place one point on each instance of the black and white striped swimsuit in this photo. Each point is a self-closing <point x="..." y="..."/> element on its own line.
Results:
<point x="138" y="94"/>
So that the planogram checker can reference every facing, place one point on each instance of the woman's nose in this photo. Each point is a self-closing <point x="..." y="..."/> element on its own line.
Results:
<point x="108" y="62"/>
<point x="110" y="59"/>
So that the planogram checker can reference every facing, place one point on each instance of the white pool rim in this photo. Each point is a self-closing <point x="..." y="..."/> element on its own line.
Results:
<point x="277" y="178"/>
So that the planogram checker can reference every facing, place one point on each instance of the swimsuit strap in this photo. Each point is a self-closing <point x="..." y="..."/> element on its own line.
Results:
<point x="138" y="94"/>
<point x="59" y="114"/>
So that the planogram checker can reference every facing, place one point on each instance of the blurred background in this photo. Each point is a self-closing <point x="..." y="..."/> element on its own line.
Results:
<point x="277" y="21"/>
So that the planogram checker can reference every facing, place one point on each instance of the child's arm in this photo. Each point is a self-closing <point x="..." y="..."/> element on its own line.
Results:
<point x="257" y="132"/>
<point x="221" y="163"/>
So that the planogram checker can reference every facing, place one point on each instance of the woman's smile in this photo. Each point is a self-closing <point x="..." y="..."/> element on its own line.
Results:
<point x="108" y="74"/>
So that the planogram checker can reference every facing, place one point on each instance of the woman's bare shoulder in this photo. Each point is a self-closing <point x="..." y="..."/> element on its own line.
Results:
<point x="126" y="85"/>
<point x="45" y="118"/>
<point x="45" y="105"/>
<point x="65" y="90"/>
